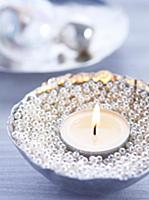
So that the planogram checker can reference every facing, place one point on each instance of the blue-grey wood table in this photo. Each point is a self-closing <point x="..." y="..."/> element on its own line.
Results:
<point x="18" y="180"/>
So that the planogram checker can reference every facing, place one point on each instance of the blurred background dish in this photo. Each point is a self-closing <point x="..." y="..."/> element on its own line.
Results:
<point x="38" y="36"/>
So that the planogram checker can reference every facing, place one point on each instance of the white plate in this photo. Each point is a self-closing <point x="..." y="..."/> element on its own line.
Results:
<point x="111" y="28"/>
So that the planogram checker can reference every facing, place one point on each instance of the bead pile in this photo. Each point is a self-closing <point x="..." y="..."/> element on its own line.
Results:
<point x="35" y="121"/>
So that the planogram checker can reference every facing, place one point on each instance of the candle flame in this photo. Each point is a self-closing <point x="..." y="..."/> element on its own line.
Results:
<point x="96" y="116"/>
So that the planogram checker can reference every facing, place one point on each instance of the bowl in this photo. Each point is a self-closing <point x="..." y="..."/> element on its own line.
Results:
<point x="44" y="150"/>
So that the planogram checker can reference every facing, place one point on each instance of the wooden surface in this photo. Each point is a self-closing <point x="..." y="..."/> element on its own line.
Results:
<point x="18" y="180"/>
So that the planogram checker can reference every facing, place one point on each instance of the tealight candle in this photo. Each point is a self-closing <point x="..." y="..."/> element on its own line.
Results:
<point x="97" y="131"/>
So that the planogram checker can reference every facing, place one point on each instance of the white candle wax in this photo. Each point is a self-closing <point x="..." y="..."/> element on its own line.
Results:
<point x="77" y="132"/>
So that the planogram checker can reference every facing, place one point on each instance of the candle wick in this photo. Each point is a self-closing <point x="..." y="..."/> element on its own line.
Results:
<point x="94" y="131"/>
